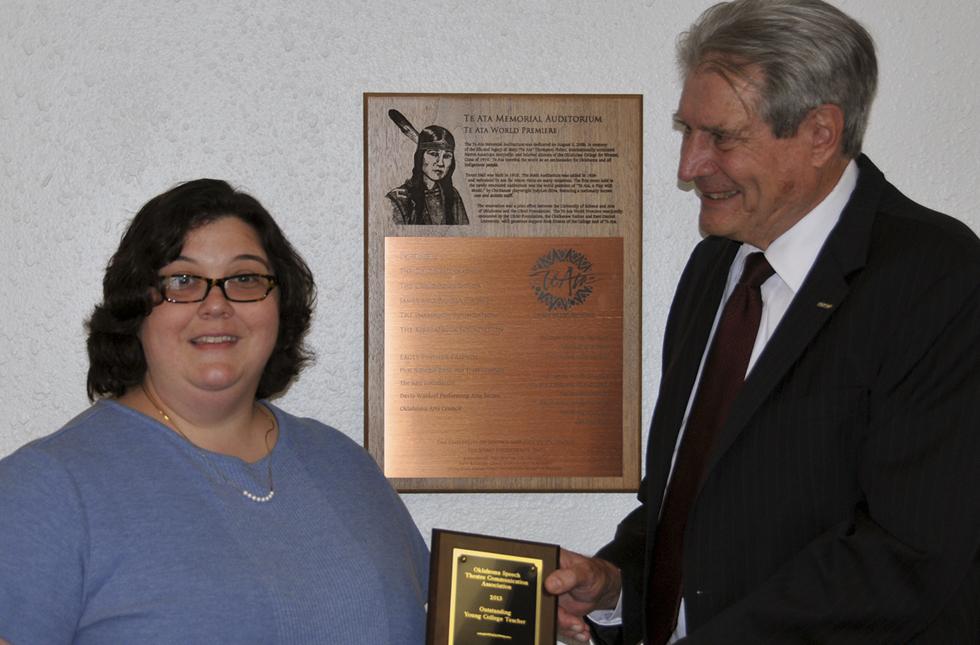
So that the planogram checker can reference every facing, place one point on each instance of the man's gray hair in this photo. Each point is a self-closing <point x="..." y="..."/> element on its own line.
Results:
<point x="809" y="52"/>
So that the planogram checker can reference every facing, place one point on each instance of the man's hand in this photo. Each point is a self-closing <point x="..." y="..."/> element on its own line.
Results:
<point x="582" y="585"/>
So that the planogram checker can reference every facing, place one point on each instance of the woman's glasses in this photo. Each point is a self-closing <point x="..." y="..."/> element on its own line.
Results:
<point x="245" y="287"/>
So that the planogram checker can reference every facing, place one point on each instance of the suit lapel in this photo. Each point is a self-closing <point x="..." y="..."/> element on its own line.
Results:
<point x="694" y="318"/>
<point x="824" y="289"/>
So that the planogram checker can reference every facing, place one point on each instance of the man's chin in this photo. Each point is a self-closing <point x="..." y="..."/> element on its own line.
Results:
<point x="714" y="221"/>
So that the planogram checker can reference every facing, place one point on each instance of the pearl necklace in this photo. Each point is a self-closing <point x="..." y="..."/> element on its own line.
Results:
<point x="272" y="426"/>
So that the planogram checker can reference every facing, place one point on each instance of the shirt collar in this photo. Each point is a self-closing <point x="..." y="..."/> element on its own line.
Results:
<point x="793" y="253"/>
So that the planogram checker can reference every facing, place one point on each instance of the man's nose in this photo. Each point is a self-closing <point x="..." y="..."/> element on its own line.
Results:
<point x="697" y="157"/>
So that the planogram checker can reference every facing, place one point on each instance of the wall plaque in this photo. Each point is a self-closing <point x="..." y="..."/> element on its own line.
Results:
<point x="502" y="272"/>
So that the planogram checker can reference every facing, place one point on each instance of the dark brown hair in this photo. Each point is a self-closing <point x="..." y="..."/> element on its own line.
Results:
<point x="154" y="239"/>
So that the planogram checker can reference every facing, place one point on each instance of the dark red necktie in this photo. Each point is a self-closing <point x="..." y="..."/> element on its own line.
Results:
<point x="721" y="379"/>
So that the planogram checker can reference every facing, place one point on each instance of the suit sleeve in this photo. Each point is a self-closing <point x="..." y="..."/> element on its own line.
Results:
<point x="904" y="567"/>
<point x="626" y="551"/>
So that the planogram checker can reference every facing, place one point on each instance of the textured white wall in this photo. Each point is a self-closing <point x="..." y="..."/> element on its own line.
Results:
<point x="105" y="103"/>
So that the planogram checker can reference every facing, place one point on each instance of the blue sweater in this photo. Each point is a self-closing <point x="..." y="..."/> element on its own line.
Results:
<point x="116" y="530"/>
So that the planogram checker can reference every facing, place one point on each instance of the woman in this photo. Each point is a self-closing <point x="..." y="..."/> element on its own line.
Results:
<point x="182" y="506"/>
<point x="428" y="196"/>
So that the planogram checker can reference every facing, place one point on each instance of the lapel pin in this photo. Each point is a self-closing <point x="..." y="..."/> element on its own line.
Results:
<point x="825" y="305"/>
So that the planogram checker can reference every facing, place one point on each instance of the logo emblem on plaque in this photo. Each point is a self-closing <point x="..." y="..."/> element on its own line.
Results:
<point x="562" y="279"/>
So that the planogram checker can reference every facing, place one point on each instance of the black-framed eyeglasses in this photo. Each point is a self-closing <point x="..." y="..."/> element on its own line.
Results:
<point x="244" y="287"/>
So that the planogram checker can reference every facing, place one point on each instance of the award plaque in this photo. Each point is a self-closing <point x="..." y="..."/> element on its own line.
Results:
<point x="502" y="277"/>
<point x="486" y="589"/>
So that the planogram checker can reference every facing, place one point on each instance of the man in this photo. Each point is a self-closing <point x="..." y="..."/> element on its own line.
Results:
<point x="831" y="492"/>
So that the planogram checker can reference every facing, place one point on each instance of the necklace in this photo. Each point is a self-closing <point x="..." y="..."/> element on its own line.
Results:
<point x="272" y="426"/>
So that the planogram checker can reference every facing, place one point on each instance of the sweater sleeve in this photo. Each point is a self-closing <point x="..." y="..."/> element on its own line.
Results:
<point x="43" y="539"/>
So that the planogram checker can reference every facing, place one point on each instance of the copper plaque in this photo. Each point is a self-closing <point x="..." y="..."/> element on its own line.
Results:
<point x="502" y="275"/>
<point x="503" y="357"/>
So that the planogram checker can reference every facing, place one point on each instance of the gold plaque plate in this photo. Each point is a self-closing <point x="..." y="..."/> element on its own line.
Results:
<point x="486" y="589"/>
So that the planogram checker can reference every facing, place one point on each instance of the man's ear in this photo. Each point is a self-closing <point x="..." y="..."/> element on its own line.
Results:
<point x="824" y="128"/>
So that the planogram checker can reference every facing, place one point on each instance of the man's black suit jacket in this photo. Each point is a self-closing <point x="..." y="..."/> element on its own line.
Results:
<point x="842" y="499"/>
